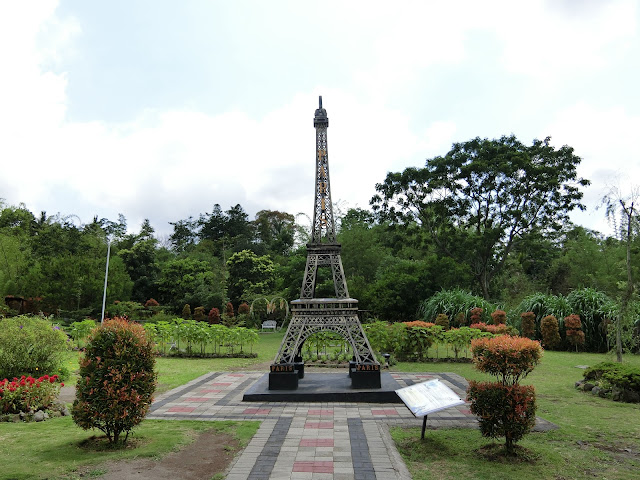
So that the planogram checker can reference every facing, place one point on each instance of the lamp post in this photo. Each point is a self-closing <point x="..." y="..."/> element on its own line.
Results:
<point x="106" y="275"/>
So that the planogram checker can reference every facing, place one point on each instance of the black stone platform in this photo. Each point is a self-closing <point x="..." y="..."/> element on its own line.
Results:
<point x="325" y="387"/>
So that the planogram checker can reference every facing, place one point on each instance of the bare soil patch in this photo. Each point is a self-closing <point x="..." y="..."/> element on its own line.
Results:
<point x="209" y="454"/>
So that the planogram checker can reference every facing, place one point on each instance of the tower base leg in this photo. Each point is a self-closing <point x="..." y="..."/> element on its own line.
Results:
<point x="365" y="375"/>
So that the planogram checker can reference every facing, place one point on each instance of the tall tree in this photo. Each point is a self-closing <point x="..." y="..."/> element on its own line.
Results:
<point x="481" y="198"/>
<point x="622" y="211"/>
<point x="275" y="231"/>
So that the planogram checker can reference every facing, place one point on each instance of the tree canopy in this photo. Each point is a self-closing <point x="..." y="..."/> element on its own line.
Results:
<point x="483" y="196"/>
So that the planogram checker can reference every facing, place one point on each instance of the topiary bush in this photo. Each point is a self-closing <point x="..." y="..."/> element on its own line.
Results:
<point x="116" y="380"/>
<point x="550" y="332"/>
<point x="442" y="320"/>
<point x="528" y="324"/>
<point x="499" y="317"/>
<point x="575" y="335"/>
<point x="31" y="346"/>
<point x="504" y="408"/>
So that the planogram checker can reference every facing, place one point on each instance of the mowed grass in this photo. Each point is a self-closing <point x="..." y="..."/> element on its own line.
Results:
<point x="596" y="438"/>
<point x="57" y="448"/>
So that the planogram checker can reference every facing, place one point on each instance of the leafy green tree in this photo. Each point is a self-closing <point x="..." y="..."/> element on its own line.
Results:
<point x="275" y="231"/>
<point x="187" y="280"/>
<point x="479" y="200"/>
<point x="249" y="275"/>
<point x="141" y="263"/>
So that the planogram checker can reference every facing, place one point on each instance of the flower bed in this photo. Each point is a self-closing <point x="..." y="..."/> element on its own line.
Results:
<point x="28" y="394"/>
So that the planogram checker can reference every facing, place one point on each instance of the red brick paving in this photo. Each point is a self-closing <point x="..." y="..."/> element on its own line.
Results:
<point x="315" y="467"/>
<point x="318" y="425"/>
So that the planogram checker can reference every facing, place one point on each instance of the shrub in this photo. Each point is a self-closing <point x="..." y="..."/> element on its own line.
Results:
<point x="198" y="314"/>
<point x="550" y="332"/>
<point x="528" y="324"/>
<point x="419" y="323"/>
<point x="214" y="316"/>
<point x="476" y="315"/>
<point x="443" y="321"/>
<point x="460" y="319"/>
<point x="28" y="394"/>
<point x="228" y="311"/>
<point x="495" y="329"/>
<point x="80" y="331"/>
<point x="575" y="335"/>
<point x="510" y="359"/>
<point x="507" y="411"/>
<point x="244" y="309"/>
<point x="30" y="346"/>
<point x="623" y="376"/>
<point x="116" y="380"/>
<point x="186" y="311"/>
<point x="151" y="303"/>
<point x="499" y="317"/>
<point x="504" y="408"/>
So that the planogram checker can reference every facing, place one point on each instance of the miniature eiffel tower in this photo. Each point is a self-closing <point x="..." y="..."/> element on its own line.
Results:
<point x="310" y="314"/>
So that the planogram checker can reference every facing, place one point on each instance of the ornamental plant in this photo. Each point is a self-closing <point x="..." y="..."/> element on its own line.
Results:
<point x="504" y="408"/>
<point x="186" y="311"/>
<point x="116" y="380"/>
<point x="28" y="394"/>
<point x="550" y="332"/>
<point x="443" y="321"/>
<point x="476" y="315"/>
<point x="31" y="346"/>
<point x="573" y="326"/>
<point x="528" y="324"/>
<point x="198" y="314"/>
<point x="499" y="317"/>
<point x="214" y="316"/>
<point x="419" y="323"/>
<point x="494" y="329"/>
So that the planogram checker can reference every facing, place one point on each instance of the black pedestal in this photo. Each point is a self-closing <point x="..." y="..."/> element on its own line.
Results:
<point x="365" y="375"/>
<point x="283" y="377"/>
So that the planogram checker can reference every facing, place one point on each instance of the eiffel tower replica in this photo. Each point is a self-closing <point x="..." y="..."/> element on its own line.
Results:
<point x="310" y="314"/>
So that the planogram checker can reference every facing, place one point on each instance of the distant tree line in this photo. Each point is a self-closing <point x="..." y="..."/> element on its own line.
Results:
<point x="490" y="217"/>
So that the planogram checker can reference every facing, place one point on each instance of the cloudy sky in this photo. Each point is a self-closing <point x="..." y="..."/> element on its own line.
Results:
<point x="159" y="110"/>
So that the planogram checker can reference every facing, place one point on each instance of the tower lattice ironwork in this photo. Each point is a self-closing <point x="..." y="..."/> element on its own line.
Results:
<point x="310" y="314"/>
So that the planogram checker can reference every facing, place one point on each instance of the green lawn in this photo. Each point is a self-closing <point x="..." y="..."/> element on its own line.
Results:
<point x="53" y="449"/>
<point x="597" y="438"/>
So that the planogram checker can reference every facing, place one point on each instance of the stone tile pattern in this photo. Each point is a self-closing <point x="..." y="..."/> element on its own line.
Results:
<point x="311" y="441"/>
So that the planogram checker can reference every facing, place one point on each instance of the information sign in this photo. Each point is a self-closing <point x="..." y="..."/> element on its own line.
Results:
<point x="428" y="397"/>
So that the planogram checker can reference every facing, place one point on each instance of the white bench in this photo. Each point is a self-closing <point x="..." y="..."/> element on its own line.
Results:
<point x="269" y="324"/>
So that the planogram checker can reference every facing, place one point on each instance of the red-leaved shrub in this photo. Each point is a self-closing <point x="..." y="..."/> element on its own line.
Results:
<point x="214" y="316"/>
<point x="116" y="379"/>
<point x="504" y="408"/>
<point x="573" y="326"/>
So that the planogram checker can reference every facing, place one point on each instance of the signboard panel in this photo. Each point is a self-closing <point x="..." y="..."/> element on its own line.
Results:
<point x="428" y="397"/>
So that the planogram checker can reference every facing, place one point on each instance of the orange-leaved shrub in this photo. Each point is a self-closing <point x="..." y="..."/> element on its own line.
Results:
<point x="573" y="326"/>
<point x="116" y="379"/>
<point x="495" y="329"/>
<point x="528" y="324"/>
<point x="550" y="332"/>
<point x="504" y="408"/>
<point x="244" y="309"/>
<point x="419" y="323"/>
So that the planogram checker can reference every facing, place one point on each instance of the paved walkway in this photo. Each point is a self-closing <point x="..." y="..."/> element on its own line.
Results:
<point x="311" y="441"/>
